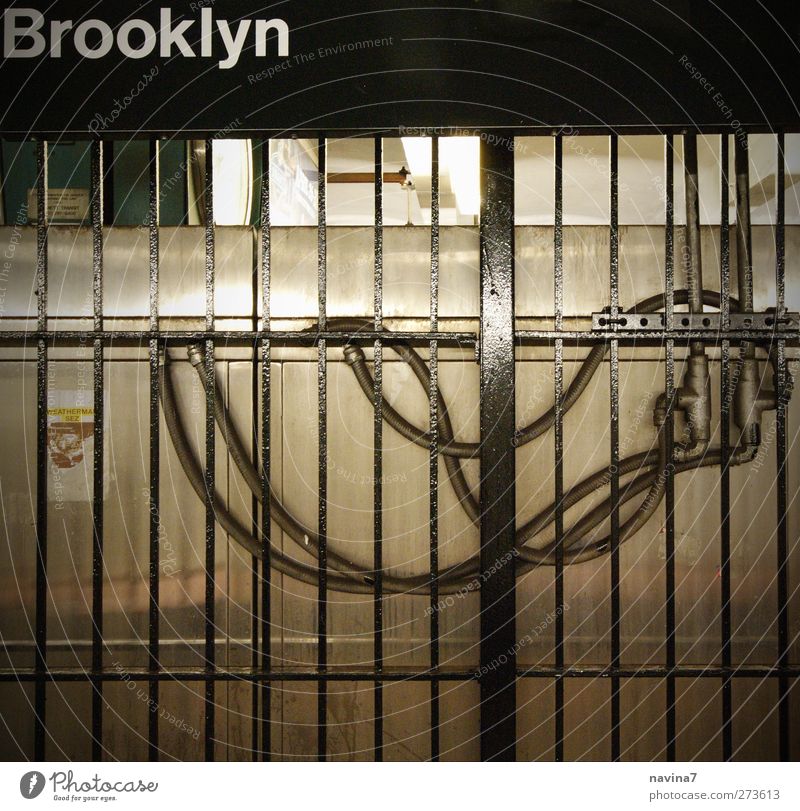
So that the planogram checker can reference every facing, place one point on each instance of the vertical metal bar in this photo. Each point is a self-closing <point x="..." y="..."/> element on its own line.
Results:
<point x="210" y="627"/>
<point x="558" y="408"/>
<point x="724" y="244"/>
<point x="255" y="524"/>
<point x="97" y="456"/>
<point x="693" y="259"/>
<point x="744" y="277"/>
<point x="378" y="452"/>
<point x="780" y="230"/>
<point x="780" y="417"/>
<point x="744" y="245"/>
<point x="669" y="438"/>
<point x="497" y="500"/>
<point x="155" y="456"/>
<point x="266" y="456"/>
<point x="322" y="393"/>
<point x="695" y="265"/>
<point x="378" y="242"/>
<point x="725" y="482"/>
<point x="614" y="430"/>
<point x="40" y="662"/>
<point x="433" y="461"/>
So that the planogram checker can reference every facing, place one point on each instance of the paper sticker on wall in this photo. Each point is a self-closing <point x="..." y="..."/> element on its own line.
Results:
<point x="70" y="445"/>
<point x="64" y="206"/>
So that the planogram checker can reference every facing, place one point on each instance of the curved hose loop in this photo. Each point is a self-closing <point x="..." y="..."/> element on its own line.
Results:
<point x="194" y="474"/>
<point x="449" y="447"/>
<point x="302" y="535"/>
<point x="457" y="578"/>
<point x="348" y="576"/>
<point x="357" y="361"/>
<point x="353" y="579"/>
<point x="470" y="450"/>
<point x="589" y="549"/>
<point x="640" y="462"/>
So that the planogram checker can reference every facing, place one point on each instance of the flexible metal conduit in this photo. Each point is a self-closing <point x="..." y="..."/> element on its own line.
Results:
<point x="346" y="575"/>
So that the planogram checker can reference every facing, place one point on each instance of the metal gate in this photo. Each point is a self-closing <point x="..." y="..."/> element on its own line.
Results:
<point x="736" y="330"/>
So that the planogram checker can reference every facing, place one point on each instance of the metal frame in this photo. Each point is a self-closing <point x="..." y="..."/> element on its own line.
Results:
<point x="497" y="491"/>
<point x="496" y="344"/>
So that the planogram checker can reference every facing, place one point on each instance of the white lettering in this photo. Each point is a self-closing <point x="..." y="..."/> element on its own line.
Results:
<point x="263" y="27"/>
<point x="12" y="32"/>
<point x="233" y="45"/>
<point x="25" y="36"/>
<point x="57" y="30"/>
<point x="124" y="39"/>
<point x="174" y="36"/>
<point x="106" y="39"/>
<point x="206" y="31"/>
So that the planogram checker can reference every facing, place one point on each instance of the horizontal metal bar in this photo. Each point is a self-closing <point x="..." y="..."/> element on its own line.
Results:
<point x="366" y="177"/>
<point x="239" y="336"/>
<point x="452" y="130"/>
<point x="128" y="338"/>
<point x="656" y="336"/>
<point x="247" y="674"/>
<point x="660" y="671"/>
<point x="767" y="322"/>
<point x="301" y="338"/>
<point x="313" y="674"/>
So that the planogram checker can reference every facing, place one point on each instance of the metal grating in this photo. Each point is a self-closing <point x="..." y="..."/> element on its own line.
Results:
<point x="495" y="345"/>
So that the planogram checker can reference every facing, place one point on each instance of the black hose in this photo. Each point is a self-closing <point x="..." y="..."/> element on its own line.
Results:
<point x="300" y="534"/>
<point x="357" y="362"/>
<point x="470" y="450"/>
<point x="194" y="474"/>
<point x="355" y="579"/>
<point x="589" y="548"/>
<point x="351" y="578"/>
<point x="347" y="575"/>
<point x="584" y="488"/>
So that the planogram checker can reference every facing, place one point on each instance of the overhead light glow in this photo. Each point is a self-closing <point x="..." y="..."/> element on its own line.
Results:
<point x="233" y="181"/>
<point x="460" y="158"/>
<point x="418" y="154"/>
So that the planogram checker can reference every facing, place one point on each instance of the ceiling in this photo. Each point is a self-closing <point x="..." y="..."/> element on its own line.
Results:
<point x="586" y="182"/>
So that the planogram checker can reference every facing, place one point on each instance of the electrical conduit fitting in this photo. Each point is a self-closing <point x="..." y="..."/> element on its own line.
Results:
<point x="694" y="400"/>
<point x="750" y="402"/>
<point x="579" y="541"/>
<point x="196" y="356"/>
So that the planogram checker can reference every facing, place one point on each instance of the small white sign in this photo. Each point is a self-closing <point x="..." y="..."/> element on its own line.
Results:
<point x="63" y="205"/>
<point x="70" y="445"/>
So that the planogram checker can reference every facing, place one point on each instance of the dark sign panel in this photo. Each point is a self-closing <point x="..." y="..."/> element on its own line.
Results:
<point x="217" y="66"/>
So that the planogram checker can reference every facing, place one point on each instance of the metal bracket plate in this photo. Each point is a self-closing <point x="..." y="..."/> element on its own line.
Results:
<point x="763" y="322"/>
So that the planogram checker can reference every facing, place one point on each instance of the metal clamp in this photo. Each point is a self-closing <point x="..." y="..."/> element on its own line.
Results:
<point x="762" y="322"/>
